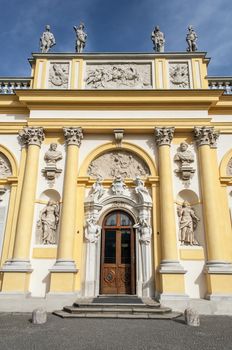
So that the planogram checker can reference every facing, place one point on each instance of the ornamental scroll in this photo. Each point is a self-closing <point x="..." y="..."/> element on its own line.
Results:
<point x="118" y="163"/>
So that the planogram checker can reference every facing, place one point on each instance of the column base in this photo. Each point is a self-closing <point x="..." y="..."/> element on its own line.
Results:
<point x="171" y="266"/>
<point x="219" y="280"/>
<point x="62" y="265"/>
<point x="17" y="265"/>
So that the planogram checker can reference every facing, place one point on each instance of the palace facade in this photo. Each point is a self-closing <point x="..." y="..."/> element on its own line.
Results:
<point x="116" y="178"/>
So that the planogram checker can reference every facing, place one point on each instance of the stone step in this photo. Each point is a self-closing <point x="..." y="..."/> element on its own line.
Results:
<point x="114" y="315"/>
<point x="108" y="309"/>
<point x="117" y="299"/>
<point x="116" y="305"/>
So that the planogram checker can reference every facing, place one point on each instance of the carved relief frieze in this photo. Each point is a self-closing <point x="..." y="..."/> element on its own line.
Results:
<point x="58" y="76"/>
<point x="5" y="168"/>
<point x="179" y="75"/>
<point x="118" y="76"/>
<point x="118" y="163"/>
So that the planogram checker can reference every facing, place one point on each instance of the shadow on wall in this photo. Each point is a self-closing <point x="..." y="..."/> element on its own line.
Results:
<point x="201" y="283"/>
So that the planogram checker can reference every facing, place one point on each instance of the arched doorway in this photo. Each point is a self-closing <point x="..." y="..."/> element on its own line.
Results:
<point x="118" y="254"/>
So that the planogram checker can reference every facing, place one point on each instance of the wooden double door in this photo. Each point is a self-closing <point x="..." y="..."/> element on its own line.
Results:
<point x="118" y="254"/>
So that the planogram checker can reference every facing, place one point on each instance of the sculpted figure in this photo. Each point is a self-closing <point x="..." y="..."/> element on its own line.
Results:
<point x="118" y="186"/>
<point x="141" y="190"/>
<point x="52" y="155"/>
<point x="187" y="224"/>
<point x="47" y="40"/>
<point x="4" y="168"/>
<point x="144" y="230"/>
<point x="97" y="190"/>
<point x="81" y="37"/>
<point x="92" y="230"/>
<point x="191" y="39"/>
<point x="158" y="39"/>
<point x="58" y="75"/>
<point x="48" y="222"/>
<point x="184" y="155"/>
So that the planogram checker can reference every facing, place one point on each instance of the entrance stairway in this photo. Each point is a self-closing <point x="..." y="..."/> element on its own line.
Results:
<point x="117" y="307"/>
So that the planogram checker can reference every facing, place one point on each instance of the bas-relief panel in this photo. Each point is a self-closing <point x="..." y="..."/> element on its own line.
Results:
<point x="118" y="163"/>
<point x="229" y="168"/>
<point x="178" y="74"/>
<point x="118" y="76"/>
<point x="5" y="168"/>
<point x="58" y="75"/>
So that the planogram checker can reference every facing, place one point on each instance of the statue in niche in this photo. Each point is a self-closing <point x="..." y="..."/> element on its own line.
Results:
<point x="191" y="39"/>
<point x="141" y="190"/>
<point x="185" y="158"/>
<point x="144" y="230"/>
<point x="47" y="40"/>
<point x="118" y="186"/>
<point x="81" y="37"/>
<point x="48" y="223"/>
<point x="158" y="39"/>
<point x="51" y="157"/>
<point x="4" y="167"/>
<point x="92" y="230"/>
<point x="187" y="224"/>
<point x="97" y="190"/>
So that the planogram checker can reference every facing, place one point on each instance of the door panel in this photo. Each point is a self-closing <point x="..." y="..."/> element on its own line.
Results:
<point x="118" y="261"/>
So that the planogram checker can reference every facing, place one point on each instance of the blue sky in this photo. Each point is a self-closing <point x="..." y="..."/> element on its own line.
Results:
<point x="114" y="26"/>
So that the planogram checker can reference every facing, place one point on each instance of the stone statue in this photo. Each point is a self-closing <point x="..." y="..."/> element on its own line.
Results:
<point x="187" y="224"/>
<point x="144" y="230"/>
<point x="97" y="190"/>
<point x="184" y="155"/>
<point x="185" y="158"/>
<point x="191" y="39"/>
<point x="92" y="230"/>
<point x="48" y="222"/>
<point x="81" y="37"/>
<point x="158" y="39"/>
<point x="47" y="40"/>
<point x="141" y="190"/>
<point x="118" y="186"/>
<point x="52" y="155"/>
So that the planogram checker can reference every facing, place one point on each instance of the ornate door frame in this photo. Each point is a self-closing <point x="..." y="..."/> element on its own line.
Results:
<point x="118" y="268"/>
<point x="139" y="209"/>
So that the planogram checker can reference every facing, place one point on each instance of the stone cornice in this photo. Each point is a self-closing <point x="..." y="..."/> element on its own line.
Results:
<point x="111" y="99"/>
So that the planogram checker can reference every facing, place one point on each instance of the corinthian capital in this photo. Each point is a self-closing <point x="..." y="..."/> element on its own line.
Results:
<point x="73" y="136"/>
<point x="206" y="135"/>
<point x="164" y="136"/>
<point x="31" y="136"/>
